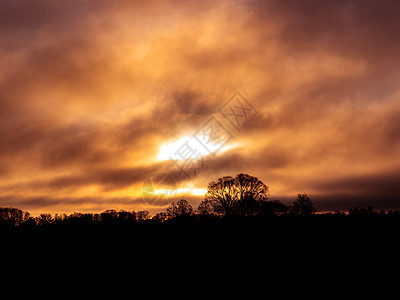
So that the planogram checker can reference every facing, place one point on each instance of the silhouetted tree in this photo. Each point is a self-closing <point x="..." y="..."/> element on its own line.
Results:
<point x="126" y="217"/>
<point x="44" y="219"/>
<point x="356" y="211"/>
<point x="179" y="209"/>
<point x="240" y="195"/>
<point x="13" y="216"/>
<point x="205" y="208"/>
<point x="109" y="216"/>
<point x="370" y="209"/>
<point x="272" y="208"/>
<point x="80" y="218"/>
<point x="142" y="215"/>
<point x="160" y="217"/>
<point x="59" y="219"/>
<point x="222" y="195"/>
<point x="303" y="205"/>
<point x="393" y="213"/>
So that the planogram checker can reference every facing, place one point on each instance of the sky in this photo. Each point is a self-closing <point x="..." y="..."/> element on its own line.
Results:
<point x="98" y="99"/>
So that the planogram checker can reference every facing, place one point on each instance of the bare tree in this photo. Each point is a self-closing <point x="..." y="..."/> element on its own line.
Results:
<point x="182" y="208"/>
<point x="240" y="195"/>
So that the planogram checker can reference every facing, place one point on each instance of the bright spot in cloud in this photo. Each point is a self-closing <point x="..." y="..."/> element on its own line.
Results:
<point x="190" y="189"/>
<point x="187" y="146"/>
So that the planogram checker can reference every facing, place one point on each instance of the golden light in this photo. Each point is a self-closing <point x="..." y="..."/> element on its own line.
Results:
<point x="175" y="150"/>
<point x="168" y="151"/>
<point x="192" y="191"/>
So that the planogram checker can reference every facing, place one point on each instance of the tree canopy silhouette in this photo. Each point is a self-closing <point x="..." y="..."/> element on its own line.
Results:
<point x="272" y="208"/>
<point x="240" y="195"/>
<point x="179" y="209"/>
<point x="303" y="205"/>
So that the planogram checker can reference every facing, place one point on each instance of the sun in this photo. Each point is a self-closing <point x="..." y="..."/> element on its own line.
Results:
<point x="168" y="151"/>
<point x="173" y="150"/>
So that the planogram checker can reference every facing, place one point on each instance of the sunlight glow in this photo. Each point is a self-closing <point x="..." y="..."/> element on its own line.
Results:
<point x="192" y="191"/>
<point x="180" y="192"/>
<point x="173" y="150"/>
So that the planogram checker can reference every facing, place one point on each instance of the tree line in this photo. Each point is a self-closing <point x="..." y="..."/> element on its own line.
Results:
<point x="240" y="196"/>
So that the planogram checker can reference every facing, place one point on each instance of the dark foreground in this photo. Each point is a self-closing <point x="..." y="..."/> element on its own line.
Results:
<point x="265" y="244"/>
<point x="287" y="229"/>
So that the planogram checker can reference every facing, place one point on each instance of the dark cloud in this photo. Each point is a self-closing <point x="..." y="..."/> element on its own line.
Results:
<point x="343" y="201"/>
<point x="107" y="179"/>
<point x="371" y="185"/>
<point x="20" y="14"/>
<point x="67" y="204"/>
<point x="351" y="24"/>
<point x="188" y="102"/>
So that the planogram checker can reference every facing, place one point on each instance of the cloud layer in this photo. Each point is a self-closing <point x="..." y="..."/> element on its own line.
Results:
<point x="90" y="91"/>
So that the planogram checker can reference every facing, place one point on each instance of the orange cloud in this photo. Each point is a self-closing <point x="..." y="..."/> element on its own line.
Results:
<point x="90" y="91"/>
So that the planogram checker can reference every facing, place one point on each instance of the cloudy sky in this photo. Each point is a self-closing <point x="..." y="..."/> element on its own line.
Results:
<point x="97" y="96"/>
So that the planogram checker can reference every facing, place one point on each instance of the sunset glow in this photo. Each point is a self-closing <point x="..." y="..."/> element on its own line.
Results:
<point x="170" y="150"/>
<point x="98" y="96"/>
